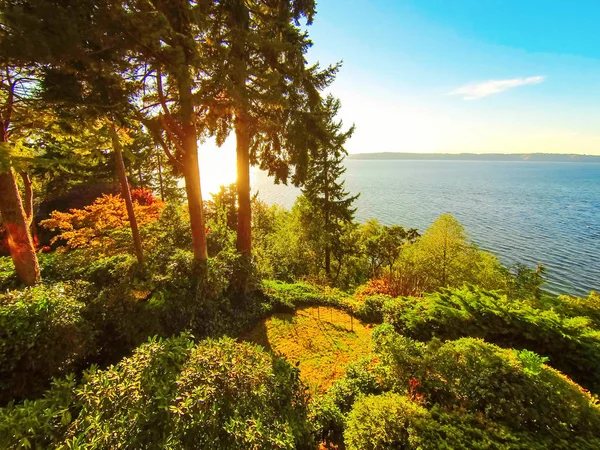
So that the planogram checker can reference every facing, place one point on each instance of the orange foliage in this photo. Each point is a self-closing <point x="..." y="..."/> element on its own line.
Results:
<point x="375" y="286"/>
<point x="92" y="226"/>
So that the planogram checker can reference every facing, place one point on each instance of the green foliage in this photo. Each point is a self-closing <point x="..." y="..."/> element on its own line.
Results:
<point x="478" y="377"/>
<point x="527" y="282"/>
<point x="383" y="421"/>
<point x="459" y="394"/>
<point x="35" y="424"/>
<point x="8" y="277"/>
<point x="572" y="344"/>
<point x="280" y="245"/>
<point x="43" y="334"/>
<point x="444" y="257"/>
<point x="218" y="394"/>
<point x="383" y="245"/>
<point x="580" y="306"/>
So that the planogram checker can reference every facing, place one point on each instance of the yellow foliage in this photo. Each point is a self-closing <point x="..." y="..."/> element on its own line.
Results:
<point x="323" y="341"/>
<point x="91" y="226"/>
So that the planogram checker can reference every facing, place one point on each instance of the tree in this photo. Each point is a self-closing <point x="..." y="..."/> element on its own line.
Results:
<point x="172" y="59"/>
<point x="444" y="257"/>
<point x="383" y="244"/>
<point x="324" y="190"/>
<point x="444" y="245"/>
<point x="81" y="83"/>
<point x="150" y="48"/>
<point x="15" y="89"/>
<point x="95" y="224"/>
<point x="268" y="91"/>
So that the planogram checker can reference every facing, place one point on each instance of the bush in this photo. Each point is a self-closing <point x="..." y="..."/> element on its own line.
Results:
<point x="577" y="306"/>
<point x="572" y="344"/>
<point x="171" y="394"/>
<point x="383" y="421"/>
<point x="459" y="394"/>
<point x="509" y="387"/>
<point x="43" y="334"/>
<point x="8" y="276"/>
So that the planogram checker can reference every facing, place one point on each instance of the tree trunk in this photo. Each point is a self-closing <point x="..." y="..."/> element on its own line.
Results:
<point x="327" y="224"/>
<point x="244" y="225"/>
<point x="239" y="21"/>
<point x="191" y="170"/>
<point x="28" y="205"/>
<point x="28" y="196"/>
<point x="126" y="194"/>
<point x="160" y="178"/>
<point x="20" y="242"/>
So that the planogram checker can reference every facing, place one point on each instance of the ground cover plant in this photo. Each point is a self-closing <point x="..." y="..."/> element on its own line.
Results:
<point x="321" y="341"/>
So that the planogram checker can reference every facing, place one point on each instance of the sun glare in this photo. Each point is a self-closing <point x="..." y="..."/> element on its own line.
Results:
<point x="217" y="166"/>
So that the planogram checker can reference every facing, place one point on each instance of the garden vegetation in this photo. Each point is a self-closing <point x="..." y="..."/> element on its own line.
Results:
<point x="137" y="313"/>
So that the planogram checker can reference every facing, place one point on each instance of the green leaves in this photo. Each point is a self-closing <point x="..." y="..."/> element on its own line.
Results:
<point x="220" y="394"/>
<point x="15" y="155"/>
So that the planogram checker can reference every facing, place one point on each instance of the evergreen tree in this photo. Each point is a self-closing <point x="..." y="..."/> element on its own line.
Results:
<point x="324" y="190"/>
<point x="16" y="88"/>
<point x="268" y="89"/>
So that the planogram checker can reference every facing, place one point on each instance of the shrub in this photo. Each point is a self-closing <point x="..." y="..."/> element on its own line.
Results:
<point x="91" y="226"/>
<point x="507" y="386"/>
<point x="571" y="343"/>
<point x="383" y="421"/>
<point x="171" y="394"/>
<point x="577" y="306"/>
<point x="8" y="276"/>
<point x="43" y="334"/>
<point x="459" y="394"/>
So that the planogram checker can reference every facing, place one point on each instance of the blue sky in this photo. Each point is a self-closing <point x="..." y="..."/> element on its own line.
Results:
<point x="465" y="75"/>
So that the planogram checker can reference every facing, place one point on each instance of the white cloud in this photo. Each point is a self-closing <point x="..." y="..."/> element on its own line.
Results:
<point x="479" y="90"/>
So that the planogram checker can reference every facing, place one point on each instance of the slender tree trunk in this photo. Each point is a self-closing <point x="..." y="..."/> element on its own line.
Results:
<point x="28" y="196"/>
<point x="327" y="225"/>
<point x="244" y="225"/>
<point x="20" y="242"/>
<point x="191" y="170"/>
<point x="28" y="205"/>
<point x="160" y="178"/>
<point x="240" y="21"/>
<point x="137" y="241"/>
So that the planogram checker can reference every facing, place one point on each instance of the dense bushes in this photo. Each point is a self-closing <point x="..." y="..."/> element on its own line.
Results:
<point x="114" y="307"/>
<point x="459" y="394"/>
<point x="171" y="394"/>
<point x="383" y="421"/>
<point x="43" y="334"/>
<point x="572" y="344"/>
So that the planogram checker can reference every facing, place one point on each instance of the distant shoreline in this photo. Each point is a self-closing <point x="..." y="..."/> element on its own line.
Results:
<point x="531" y="157"/>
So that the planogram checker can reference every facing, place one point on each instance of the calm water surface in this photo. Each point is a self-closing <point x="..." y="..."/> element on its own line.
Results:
<point x="526" y="212"/>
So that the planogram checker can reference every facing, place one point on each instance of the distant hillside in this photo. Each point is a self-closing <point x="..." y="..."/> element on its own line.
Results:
<point x="537" y="157"/>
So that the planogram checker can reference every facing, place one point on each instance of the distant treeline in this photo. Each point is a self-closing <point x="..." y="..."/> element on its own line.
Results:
<point x="537" y="157"/>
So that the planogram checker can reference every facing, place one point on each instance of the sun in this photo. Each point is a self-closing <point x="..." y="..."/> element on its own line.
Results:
<point x="217" y="166"/>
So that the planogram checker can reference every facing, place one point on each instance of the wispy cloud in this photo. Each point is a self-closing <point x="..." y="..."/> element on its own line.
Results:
<point x="483" y="89"/>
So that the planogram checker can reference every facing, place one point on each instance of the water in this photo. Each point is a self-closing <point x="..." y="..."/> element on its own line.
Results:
<point x="525" y="212"/>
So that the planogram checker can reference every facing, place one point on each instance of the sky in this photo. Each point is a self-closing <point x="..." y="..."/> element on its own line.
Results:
<point x="482" y="76"/>
<point x="453" y="76"/>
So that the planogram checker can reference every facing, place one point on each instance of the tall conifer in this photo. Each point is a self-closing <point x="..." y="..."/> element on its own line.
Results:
<point x="323" y="188"/>
<point x="267" y="85"/>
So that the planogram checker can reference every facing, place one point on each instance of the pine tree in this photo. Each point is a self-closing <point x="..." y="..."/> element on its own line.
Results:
<point x="268" y="86"/>
<point x="331" y="203"/>
<point x="15" y="91"/>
